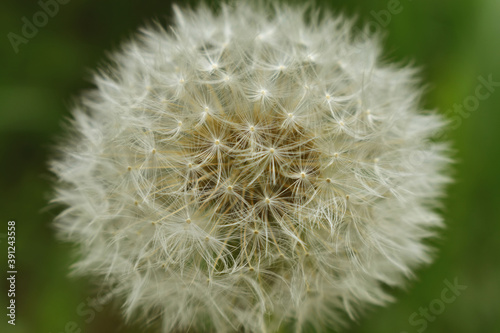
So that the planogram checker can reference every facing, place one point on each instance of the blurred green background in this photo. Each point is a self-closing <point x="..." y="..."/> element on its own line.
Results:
<point x="454" y="41"/>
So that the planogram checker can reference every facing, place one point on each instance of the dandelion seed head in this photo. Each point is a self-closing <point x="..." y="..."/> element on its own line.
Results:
<point x="216" y="181"/>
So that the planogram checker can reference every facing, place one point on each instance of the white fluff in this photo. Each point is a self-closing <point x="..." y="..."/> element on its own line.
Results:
<point x="245" y="170"/>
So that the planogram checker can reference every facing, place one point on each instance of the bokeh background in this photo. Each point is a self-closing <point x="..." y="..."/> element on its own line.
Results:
<point x="455" y="42"/>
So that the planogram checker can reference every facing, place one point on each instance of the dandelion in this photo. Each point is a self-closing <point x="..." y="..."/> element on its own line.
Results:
<point x="244" y="171"/>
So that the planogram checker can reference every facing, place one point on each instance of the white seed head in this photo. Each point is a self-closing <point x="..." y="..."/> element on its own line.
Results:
<point x="300" y="215"/>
